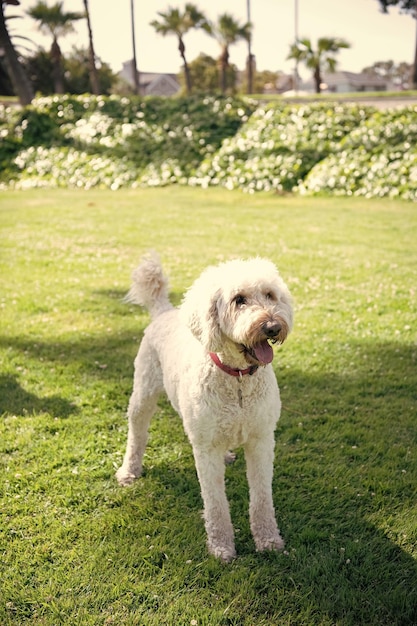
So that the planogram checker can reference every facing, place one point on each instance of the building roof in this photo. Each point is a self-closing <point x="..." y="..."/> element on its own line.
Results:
<point x="152" y="83"/>
<point x="158" y="84"/>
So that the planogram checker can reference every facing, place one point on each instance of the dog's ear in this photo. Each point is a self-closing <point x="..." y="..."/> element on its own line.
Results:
<point x="199" y="311"/>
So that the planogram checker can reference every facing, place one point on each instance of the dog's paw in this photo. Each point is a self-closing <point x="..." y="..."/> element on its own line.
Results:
<point x="271" y="543"/>
<point x="125" y="478"/>
<point x="224" y="553"/>
<point x="229" y="458"/>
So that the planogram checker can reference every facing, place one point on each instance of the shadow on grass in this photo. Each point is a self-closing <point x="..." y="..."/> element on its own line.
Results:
<point x="106" y="356"/>
<point x="343" y="483"/>
<point x="344" y="489"/>
<point x="345" y="486"/>
<point x="15" y="400"/>
<point x="112" y="294"/>
<point x="119" y="295"/>
<point x="339" y="567"/>
<point x="103" y="356"/>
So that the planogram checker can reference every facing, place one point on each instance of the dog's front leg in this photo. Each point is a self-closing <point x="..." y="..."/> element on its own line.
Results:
<point x="259" y="454"/>
<point x="210" y="470"/>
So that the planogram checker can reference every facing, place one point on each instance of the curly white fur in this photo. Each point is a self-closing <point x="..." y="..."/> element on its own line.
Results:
<point x="234" y="310"/>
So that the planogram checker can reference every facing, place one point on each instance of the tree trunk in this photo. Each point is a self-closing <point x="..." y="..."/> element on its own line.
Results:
<point x="181" y="48"/>
<point x="249" y="71"/>
<point x="17" y="75"/>
<point x="95" y="85"/>
<point x="414" y="70"/>
<point x="57" y="72"/>
<point x="317" y="79"/>
<point x="224" y="64"/>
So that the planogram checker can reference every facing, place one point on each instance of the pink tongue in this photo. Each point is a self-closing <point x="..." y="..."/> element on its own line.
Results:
<point x="263" y="352"/>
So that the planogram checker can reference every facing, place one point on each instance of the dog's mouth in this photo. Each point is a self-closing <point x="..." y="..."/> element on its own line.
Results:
<point x="260" y="354"/>
<point x="258" y="349"/>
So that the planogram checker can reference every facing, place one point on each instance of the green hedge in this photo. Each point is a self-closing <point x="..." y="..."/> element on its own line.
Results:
<point x="87" y="141"/>
<point x="378" y="158"/>
<point x="279" y="145"/>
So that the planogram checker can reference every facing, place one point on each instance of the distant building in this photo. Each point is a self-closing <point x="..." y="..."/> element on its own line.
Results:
<point x="346" y="82"/>
<point x="284" y="83"/>
<point x="151" y="83"/>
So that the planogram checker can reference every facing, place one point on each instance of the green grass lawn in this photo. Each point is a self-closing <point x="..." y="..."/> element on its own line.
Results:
<point x="75" y="548"/>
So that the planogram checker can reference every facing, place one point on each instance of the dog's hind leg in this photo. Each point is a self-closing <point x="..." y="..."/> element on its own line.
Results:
<point x="259" y="468"/>
<point x="139" y="413"/>
<point x="142" y="405"/>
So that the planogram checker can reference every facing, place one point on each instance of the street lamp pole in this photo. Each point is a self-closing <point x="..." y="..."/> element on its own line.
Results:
<point x="250" y="62"/>
<point x="134" y="61"/>
<point x="296" y="41"/>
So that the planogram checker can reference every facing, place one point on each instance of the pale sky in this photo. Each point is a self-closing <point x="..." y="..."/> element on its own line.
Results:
<point x="373" y="36"/>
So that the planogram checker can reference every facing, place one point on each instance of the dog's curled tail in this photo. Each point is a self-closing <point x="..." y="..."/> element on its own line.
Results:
<point x="150" y="286"/>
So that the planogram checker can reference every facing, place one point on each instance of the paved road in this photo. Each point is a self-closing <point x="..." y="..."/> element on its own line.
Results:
<point x="389" y="103"/>
<point x="379" y="103"/>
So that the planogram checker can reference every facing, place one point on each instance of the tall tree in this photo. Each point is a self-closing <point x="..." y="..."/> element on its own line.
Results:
<point x="95" y="85"/>
<point x="15" y="71"/>
<point x="227" y="31"/>
<point x="76" y="72"/>
<point x="176" y="22"/>
<point x="406" y="6"/>
<point x="403" y="5"/>
<point x="55" y="22"/>
<point x="398" y="74"/>
<point x="320" y="58"/>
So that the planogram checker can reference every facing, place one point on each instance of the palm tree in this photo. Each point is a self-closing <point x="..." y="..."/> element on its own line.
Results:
<point x="95" y="86"/>
<point x="54" y="21"/>
<point x="175" y="22"/>
<point x="323" y="57"/>
<point x="17" y="75"/>
<point x="227" y="31"/>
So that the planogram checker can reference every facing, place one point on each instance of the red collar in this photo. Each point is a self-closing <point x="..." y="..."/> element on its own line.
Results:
<point x="231" y="370"/>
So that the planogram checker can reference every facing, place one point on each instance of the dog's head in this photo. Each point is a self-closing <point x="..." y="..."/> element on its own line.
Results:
<point x="245" y="303"/>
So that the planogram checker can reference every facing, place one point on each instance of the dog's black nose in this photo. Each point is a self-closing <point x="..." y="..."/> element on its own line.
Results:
<point x="271" y="328"/>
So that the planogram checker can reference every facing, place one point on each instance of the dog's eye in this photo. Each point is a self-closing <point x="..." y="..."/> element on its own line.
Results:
<point x="270" y="296"/>
<point x="239" y="300"/>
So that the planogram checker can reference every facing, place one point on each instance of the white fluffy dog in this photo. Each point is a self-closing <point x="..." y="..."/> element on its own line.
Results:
<point x="212" y="355"/>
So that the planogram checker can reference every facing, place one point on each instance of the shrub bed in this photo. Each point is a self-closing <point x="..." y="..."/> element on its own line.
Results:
<point x="378" y="158"/>
<point x="279" y="145"/>
<point x="89" y="141"/>
<point x="113" y="142"/>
